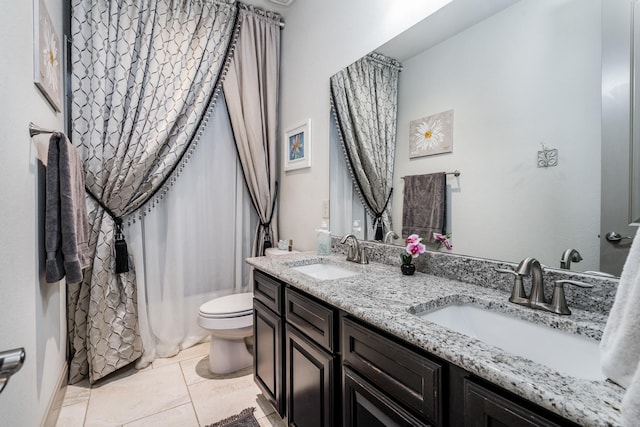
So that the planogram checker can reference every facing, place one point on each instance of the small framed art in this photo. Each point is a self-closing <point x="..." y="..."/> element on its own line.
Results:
<point x="297" y="147"/>
<point x="47" y="60"/>
<point x="431" y="135"/>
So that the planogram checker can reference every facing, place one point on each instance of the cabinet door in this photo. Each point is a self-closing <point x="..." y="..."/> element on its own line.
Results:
<point x="366" y="406"/>
<point x="484" y="408"/>
<point x="310" y="382"/>
<point x="268" y="351"/>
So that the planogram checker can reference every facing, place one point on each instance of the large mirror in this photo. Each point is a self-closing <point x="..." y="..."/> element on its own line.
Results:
<point x="522" y="78"/>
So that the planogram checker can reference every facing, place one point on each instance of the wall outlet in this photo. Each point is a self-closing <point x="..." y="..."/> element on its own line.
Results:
<point x="325" y="209"/>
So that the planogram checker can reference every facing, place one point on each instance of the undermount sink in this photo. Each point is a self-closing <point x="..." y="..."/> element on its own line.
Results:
<point x="322" y="271"/>
<point x="567" y="353"/>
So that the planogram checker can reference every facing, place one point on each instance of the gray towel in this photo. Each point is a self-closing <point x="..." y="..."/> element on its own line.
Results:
<point x="424" y="205"/>
<point x="66" y="220"/>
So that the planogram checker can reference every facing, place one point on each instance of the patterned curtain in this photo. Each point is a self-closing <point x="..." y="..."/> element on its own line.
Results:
<point x="144" y="77"/>
<point x="364" y="101"/>
<point x="251" y="91"/>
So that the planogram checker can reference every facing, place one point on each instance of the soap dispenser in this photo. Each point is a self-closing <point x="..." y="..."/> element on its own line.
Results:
<point x="324" y="239"/>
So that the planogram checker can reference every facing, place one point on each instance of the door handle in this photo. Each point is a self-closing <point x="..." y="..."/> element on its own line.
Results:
<point x="615" y="237"/>
<point x="10" y="362"/>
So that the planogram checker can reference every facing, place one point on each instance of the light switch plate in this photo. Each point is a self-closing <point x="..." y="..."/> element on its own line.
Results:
<point x="325" y="209"/>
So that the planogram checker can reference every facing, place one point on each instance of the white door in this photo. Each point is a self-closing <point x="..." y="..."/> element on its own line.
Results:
<point x="620" y="202"/>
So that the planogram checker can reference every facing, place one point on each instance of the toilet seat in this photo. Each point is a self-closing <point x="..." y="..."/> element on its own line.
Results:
<point x="236" y="305"/>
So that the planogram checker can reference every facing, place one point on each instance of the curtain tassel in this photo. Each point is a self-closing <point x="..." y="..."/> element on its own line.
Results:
<point x="267" y="238"/>
<point x="122" y="254"/>
<point x="377" y="221"/>
<point x="378" y="237"/>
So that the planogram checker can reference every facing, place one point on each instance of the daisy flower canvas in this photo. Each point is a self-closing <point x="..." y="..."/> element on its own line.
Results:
<point x="431" y="135"/>
<point x="47" y="58"/>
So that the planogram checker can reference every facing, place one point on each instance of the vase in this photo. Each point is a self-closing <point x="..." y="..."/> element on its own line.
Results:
<point x="408" y="269"/>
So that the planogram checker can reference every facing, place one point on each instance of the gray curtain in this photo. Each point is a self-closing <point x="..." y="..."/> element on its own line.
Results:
<point x="144" y="76"/>
<point x="364" y="101"/>
<point x="251" y="90"/>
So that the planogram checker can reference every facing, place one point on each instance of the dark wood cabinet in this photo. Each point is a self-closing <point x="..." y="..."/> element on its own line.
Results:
<point x="294" y="361"/>
<point x="311" y="399"/>
<point x="484" y="408"/>
<point x="268" y="290"/>
<point x="320" y="367"/>
<point x="366" y="406"/>
<point x="315" y="320"/>
<point x="408" y="377"/>
<point x="268" y="351"/>
<point x="268" y="333"/>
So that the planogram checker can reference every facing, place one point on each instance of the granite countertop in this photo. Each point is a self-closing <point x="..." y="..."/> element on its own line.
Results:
<point x="384" y="298"/>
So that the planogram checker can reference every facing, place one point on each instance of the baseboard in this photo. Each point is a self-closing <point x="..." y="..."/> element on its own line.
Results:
<point x="55" y="403"/>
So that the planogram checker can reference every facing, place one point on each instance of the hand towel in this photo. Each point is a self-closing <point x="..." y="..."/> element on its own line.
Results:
<point x="66" y="218"/>
<point x="424" y="205"/>
<point x="620" y="344"/>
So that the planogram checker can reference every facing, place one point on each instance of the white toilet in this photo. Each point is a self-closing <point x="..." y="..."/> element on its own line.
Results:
<point x="229" y="320"/>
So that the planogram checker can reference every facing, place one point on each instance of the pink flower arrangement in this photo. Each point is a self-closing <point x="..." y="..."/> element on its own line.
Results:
<point x="443" y="240"/>
<point x="414" y="249"/>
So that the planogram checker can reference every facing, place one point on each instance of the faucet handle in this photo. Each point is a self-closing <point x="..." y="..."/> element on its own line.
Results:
<point x="506" y="271"/>
<point x="352" y="254"/>
<point x="518" y="294"/>
<point x="574" y="282"/>
<point x="558" y="300"/>
<point x="364" y="258"/>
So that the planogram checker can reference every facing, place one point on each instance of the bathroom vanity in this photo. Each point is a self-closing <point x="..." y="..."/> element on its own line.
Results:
<point x="351" y="349"/>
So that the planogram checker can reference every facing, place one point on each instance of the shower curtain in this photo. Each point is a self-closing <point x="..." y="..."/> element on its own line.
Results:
<point x="144" y="77"/>
<point x="192" y="247"/>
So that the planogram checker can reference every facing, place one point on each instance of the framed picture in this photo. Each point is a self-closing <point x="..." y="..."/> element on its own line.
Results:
<point x="47" y="56"/>
<point x="431" y="135"/>
<point x="297" y="147"/>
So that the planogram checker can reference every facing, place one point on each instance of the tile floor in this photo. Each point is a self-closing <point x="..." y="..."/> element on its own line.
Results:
<point x="178" y="391"/>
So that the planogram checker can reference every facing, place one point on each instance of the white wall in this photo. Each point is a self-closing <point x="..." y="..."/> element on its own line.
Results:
<point x="320" y="38"/>
<point x="527" y="75"/>
<point x="31" y="311"/>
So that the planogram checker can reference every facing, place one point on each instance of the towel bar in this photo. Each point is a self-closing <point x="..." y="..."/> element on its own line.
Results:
<point x="37" y="130"/>
<point x="455" y="173"/>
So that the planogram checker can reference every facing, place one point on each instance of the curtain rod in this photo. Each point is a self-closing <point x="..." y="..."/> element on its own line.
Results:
<point x="37" y="130"/>
<point x="454" y="173"/>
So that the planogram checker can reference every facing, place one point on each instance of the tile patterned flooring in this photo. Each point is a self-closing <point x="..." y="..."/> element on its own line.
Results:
<point x="177" y="391"/>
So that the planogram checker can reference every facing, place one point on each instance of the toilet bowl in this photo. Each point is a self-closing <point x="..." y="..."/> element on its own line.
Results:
<point x="229" y="320"/>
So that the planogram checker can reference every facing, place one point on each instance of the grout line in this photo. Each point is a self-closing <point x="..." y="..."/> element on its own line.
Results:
<point x="142" y="371"/>
<point x="86" y="411"/>
<point x="190" y="396"/>
<point x="154" y="414"/>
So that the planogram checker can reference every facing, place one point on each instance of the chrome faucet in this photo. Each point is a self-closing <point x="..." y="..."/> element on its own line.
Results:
<point x="391" y="235"/>
<point x="568" y="256"/>
<point x="531" y="266"/>
<point x="536" y="299"/>
<point x="356" y="252"/>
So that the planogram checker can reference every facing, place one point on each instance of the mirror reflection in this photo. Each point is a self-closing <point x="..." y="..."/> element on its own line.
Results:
<point x="522" y="85"/>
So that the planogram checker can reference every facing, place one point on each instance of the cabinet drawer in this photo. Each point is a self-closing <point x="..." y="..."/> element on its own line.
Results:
<point x="268" y="291"/>
<point x="409" y="378"/>
<point x="310" y="317"/>
<point x="366" y="406"/>
<point x="483" y="407"/>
